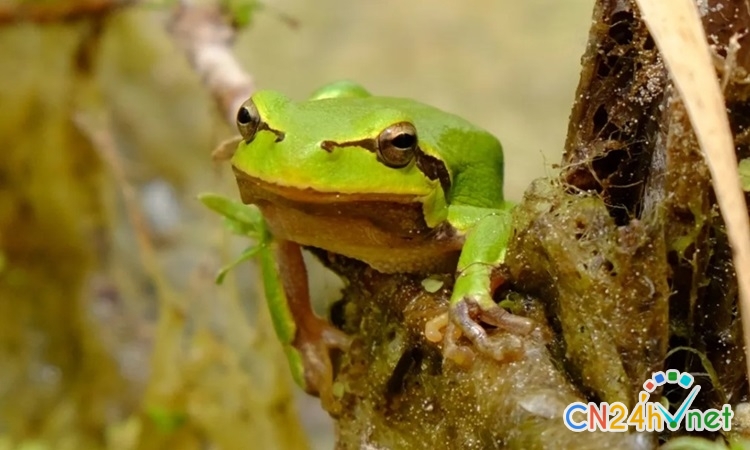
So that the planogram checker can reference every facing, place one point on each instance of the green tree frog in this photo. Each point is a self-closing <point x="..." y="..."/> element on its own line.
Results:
<point x="402" y="186"/>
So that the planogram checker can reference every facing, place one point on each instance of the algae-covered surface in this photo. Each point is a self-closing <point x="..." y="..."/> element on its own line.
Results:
<point x="630" y="141"/>
<point x="397" y="392"/>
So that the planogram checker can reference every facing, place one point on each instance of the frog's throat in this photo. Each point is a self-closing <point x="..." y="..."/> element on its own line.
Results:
<point x="386" y="231"/>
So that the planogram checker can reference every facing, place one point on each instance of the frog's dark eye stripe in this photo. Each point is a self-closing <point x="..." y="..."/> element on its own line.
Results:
<point x="249" y="122"/>
<point x="401" y="146"/>
<point x="434" y="169"/>
<point x="395" y="146"/>
<point x="367" y="144"/>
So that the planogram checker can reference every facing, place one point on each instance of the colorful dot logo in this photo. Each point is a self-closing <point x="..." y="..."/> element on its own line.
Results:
<point x="673" y="376"/>
<point x="650" y="416"/>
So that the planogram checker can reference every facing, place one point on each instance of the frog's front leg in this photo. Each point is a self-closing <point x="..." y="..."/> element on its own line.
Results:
<point x="471" y="303"/>
<point x="307" y="338"/>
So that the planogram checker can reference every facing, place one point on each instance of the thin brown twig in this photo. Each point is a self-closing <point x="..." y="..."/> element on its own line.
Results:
<point x="205" y="36"/>
<point x="103" y="142"/>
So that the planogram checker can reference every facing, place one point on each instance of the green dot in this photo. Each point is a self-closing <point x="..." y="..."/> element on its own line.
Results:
<point x="672" y="375"/>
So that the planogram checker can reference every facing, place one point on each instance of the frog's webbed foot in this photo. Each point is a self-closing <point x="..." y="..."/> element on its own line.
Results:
<point x="315" y="342"/>
<point x="467" y="317"/>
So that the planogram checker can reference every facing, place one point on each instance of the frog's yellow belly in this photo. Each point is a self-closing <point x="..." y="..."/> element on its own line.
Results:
<point x="386" y="232"/>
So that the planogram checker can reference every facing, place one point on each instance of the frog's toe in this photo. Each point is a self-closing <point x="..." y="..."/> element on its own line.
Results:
<point x="335" y="339"/>
<point x="315" y="349"/>
<point x="495" y="315"/>
<point x="468" y="317"/>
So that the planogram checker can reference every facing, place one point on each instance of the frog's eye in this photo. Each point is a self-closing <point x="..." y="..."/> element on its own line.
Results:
<point x="397" y="144"/>
<point x="248" y="120"/>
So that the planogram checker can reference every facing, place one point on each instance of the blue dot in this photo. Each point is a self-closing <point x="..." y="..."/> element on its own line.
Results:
<point x="659" y="378"/>
<point x="686" y="380"/>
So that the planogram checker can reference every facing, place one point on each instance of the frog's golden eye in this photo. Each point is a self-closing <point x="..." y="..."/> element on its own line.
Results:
<point x="397" y="144"/>
<point x="248" y="120"/>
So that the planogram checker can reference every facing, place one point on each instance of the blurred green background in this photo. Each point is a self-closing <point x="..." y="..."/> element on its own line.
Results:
<point x="108" y="344"/>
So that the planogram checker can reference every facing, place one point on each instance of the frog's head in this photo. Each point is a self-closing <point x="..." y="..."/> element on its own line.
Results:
<point x="337" y="151"/>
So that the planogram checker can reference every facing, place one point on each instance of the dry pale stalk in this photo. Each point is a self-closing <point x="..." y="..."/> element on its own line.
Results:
<point x="677" y="30"/>
<point x="204" y="35"/>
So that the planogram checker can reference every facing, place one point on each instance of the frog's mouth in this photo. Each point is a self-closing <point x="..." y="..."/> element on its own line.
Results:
<point x="388" y="232"/>
<point x="395" y="213"/>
